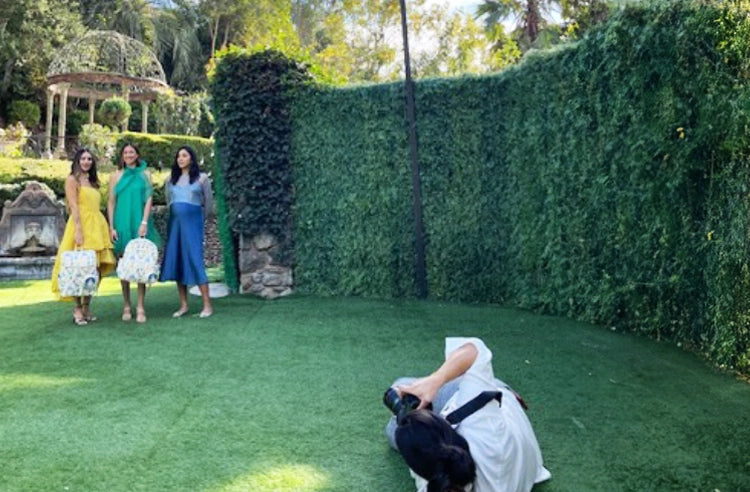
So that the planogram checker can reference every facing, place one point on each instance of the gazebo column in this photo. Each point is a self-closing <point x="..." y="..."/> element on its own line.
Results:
<point x="60" y="150"/>
<point x="48" y="126"/>
<point x="92" y="106"/>
<point x="126" y="96"/>
<point x="144" y="116"/>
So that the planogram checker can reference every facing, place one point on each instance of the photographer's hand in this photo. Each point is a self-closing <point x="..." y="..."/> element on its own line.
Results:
<point x="454" y="366"/>
<point x="424" y="388"/>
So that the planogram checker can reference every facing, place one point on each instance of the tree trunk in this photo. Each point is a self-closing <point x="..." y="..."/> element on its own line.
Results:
<point x="532" y="20"/>
<point x="7" y="73"/>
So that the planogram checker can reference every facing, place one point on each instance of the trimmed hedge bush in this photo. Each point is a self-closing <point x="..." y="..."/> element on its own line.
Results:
<point x="159" y="150"/>
<point x="114" y="112"/>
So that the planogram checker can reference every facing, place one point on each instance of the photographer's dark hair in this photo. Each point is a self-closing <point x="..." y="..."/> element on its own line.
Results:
<point x="435" y="451"/>
<point x="75" y="167"/>
<point x="194" y="171"/>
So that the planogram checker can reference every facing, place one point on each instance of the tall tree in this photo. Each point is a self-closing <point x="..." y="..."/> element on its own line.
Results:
<point x="455" y="43"/>
<point x="533" y="28"/>
<point x="133" y="18"/>
<point x="30" y="33"/>
<point x="182" y="45"/>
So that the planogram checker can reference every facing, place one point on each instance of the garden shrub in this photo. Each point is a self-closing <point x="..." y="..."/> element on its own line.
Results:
<point x="113" y="112"/>
<point x="159" y="150"/>
<point x="182" y="115"/>
<point x="13" y="139"/>
<point x="75" y="120"/>
<point x="100" y="140"/>
<point x="26" y="112"/>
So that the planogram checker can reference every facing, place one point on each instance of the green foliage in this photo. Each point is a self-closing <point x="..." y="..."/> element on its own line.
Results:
<point x="100" y="140"/>
<point x="16" y="172"/>
<point x="606" y="181"/>
<point x="226" y="238"/>
<point x="13" y="140"/>
<point x="180" y="115"/>
<point x="250" y="96"/>
<point x="32" y="30"/>
<point x="27" y="112"/>
<point x="114" y="112"/>
<point x="353" y="230"/>
<point x="75" y="120"/>
<point x="159" y="150"/>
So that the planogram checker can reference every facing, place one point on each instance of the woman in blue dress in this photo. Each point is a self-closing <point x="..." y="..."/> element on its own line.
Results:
<point x="188" y="193"/>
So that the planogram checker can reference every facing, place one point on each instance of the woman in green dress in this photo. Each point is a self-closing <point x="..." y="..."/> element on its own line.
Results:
<point x="129" y="211"/>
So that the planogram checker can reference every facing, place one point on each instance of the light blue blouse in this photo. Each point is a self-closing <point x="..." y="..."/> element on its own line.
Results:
<point x="196" y="193"/>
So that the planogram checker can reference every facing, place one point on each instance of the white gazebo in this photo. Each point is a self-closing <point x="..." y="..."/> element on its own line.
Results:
<point x="97" y="66"/>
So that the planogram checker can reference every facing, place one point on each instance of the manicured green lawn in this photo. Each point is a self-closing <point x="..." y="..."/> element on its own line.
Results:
<point x="285" y="395"/>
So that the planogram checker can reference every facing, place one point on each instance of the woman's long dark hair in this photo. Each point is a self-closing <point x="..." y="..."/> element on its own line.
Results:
<point x="193" y="171"/>
<point x="121" y="162"/>
<point x="435" y="451"/>
<point x="75" y="167"/>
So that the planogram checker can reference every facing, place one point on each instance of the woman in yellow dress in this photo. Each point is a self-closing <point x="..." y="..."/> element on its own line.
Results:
<point x="86" y="228"/>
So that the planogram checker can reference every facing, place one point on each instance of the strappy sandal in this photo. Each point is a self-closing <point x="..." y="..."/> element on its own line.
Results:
<point x="127" y="313"/>
<point x="79" y="320"/>
<point x="87" y="314"/>
<point x="140" y="316"/>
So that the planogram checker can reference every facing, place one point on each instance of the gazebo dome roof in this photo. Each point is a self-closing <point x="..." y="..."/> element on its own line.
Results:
<point x="107" y="61"/>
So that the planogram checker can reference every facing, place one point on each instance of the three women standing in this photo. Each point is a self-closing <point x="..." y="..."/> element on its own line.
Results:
<point x="190" y="202"/>
<point x="86" y="227"/>
<point x="129" y="210"/>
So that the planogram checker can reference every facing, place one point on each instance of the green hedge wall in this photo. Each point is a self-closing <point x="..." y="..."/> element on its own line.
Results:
<point x="606" y="181"/>
<point x="352" y="207"/>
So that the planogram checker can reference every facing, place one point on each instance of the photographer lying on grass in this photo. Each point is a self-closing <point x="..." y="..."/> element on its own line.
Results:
<point x="476" y="438"/>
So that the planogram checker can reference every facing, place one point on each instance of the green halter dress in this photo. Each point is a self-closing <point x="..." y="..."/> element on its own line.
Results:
<point x="131" y="193"/>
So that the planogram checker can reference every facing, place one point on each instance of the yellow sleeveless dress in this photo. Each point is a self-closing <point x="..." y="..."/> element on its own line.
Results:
<point x="95" y="235"/>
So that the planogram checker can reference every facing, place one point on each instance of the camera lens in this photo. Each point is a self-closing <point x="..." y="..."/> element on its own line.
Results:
<point x="392" y="401"/>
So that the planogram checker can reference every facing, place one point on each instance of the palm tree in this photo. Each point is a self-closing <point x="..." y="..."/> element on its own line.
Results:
<point x="529" y="16"/>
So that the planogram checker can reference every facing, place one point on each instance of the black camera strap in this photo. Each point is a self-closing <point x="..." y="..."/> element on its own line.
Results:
<point x="471" y="406"/>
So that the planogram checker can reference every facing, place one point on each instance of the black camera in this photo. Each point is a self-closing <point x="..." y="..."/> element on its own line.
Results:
<point x="399" y="406"/>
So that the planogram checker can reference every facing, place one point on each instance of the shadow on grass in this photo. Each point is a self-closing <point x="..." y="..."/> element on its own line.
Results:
<point x="285" y="395"/>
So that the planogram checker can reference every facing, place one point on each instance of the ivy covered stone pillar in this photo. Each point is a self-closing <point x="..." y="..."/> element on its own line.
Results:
<point x="253" y="170"/>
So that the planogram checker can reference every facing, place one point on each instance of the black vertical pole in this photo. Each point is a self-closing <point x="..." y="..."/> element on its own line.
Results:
<point x="420" y="269"/>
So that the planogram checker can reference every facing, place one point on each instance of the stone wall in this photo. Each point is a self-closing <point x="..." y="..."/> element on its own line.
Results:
<point x="259" y="273"/>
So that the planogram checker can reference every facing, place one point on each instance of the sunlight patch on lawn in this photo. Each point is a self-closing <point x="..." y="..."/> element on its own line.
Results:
<point x="24" y="293"/>
<point x="297" y="478"/>
<point x="28" y="381"/>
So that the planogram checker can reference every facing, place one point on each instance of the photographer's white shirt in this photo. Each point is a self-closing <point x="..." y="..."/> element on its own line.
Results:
<point x="501" y="440"/>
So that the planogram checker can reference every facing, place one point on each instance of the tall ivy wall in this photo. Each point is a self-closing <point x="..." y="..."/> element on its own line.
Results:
<point x="605" y="181"/>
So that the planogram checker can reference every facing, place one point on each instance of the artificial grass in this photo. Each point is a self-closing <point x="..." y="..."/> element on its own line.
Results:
<point x="285" y="395"/>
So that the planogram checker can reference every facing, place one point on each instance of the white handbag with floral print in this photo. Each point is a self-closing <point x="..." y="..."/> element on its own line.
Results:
<point x="78" y="274"/>
<point x="139" y="262"/>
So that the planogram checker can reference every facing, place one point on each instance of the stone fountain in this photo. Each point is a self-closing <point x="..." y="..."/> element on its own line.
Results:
<point x="30" y="231"/>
